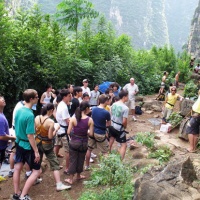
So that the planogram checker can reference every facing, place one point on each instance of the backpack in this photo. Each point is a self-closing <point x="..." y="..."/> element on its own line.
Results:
<point x="138" y="110"/>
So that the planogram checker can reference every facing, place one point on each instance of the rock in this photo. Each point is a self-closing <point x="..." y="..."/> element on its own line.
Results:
<point x="139" y="98"/>
<point x="153" y="105"/>
<point x="140" y="153"/>
<point x="186" y="106"/>
<point x="173" y="182"/>
<point x="156" y="116"/>
<point x="143" y="109"/>
<point x="149" y="111"/>
<point x="157" y="137"/>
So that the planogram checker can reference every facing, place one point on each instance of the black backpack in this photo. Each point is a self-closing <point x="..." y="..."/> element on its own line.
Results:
<point x="138" y="110"/>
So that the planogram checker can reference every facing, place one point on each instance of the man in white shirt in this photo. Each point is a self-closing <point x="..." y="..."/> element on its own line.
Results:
<point x="132" y="89"/>
<point x="62" y="117"/>
<point x="85" y="87"/>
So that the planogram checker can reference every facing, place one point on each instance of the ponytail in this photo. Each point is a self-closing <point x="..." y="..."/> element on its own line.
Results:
<point x="46" y="108"/>
<point x="78" y="114"/>
<point x="83" y="106"/>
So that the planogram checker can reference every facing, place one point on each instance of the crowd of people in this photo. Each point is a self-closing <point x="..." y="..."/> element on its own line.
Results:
<point x="85" y="119"/>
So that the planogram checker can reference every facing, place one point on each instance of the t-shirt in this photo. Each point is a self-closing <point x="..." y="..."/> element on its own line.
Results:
<point x="62" y="114"/>
<point x="100" y="116"/>
<point x="171" y="99"/>
<point x="94" y="97"/>
<point x="131" y="90"/>
<point x="75" y="104"/>
<point x="24" y="125"/>
<point x="116" y="93"/>
<point x="196" y="105"/>
<point x="86" y="90"/>
<point x="118" y="111"/>
<point x="4" y="130"/>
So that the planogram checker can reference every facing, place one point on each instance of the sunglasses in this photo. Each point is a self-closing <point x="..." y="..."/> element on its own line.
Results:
<point x="173" y="90"/>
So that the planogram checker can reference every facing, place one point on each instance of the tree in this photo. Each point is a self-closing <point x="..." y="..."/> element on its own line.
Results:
<point x="71" y="12"/>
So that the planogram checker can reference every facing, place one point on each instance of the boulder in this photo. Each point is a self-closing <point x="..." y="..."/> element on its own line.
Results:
<point x="153" y="105"/>
<point x="186" y="106"/>
<point x="149" y="111"/>
<point x="173" y="182"/>
<point x="139" y="98"/>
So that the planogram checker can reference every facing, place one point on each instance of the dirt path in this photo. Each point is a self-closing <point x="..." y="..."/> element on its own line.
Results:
<point x="46" y="189"/>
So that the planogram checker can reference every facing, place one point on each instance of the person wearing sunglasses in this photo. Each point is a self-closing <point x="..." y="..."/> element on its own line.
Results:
<point x="169" y="103"/>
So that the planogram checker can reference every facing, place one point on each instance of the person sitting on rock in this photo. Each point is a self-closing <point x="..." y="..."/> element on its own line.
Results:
<point x="170" y="102"/>
<point x="197" y="68"/>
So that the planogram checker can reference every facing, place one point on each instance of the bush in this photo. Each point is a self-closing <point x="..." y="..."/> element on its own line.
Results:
<point x="146" y="139"/>
<point x="191" y="90"/>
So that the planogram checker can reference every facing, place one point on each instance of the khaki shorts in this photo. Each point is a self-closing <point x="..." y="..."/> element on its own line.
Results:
<point x="58" y="141"/>
<point x="131" y="104"/>
<point x="99" y="141"/>
<point x="62" y="141"/>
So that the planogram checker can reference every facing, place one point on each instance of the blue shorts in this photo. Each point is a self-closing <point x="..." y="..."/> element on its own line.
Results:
<point x="28" y="156"/>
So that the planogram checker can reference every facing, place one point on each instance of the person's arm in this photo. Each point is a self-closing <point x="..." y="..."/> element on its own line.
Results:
<point x="180" y="97"/>
<point x="108" y="123"/>
<point x="91" y="127"/>
<point x="34" y="146"/>
<point x="7" y="137"/>
<point x="124" y="122"/>
<point x="52" y="131"/>
<point x="53" y="95"/>
<point x="71" y="124"/>
<point x="42" y="99"/>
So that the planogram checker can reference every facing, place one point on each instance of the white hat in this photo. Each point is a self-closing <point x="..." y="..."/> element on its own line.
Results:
<point x="85" y="80"/>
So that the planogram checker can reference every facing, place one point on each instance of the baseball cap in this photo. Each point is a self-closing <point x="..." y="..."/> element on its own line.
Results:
<point x="85" y="80"/>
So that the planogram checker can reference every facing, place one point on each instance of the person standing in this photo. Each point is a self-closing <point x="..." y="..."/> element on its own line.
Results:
<point x="119" y="116"/>
<point x="46" y="96"/>
<point x="26" y="148"/>
<point x="132" y="89"/>
<point x="170" y="102"/>
<point x="176" y="82"/>
<point x="62" y="117"/>
<point x="94" y="96"/>
<point x="101" y="118"/>
<point x="192" y="128"/>
<point x="85" y="88"/>
<point x="45" y="133"/>
<point x="78" y="145"/>
<point x="4" y="131"/>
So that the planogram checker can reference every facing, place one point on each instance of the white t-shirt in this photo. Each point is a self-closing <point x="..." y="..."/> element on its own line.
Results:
<point x="86" y="90"/>
<point x="62" y="114"/>
<point x="94" y="97"/>
<point x="131" y="90"/>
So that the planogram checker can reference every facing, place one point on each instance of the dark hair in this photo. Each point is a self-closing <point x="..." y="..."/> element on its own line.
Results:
<point x="83" y="106"/>
<point x="64" y="93"/>
<point x="67" y="86"/>
<point x="85" y="95"/>
<point x="108" y="90"/>
<point x="77" y="90"/>
<point x="29" y="94"/>
<point x="58" y="98"/>
<point x="103" y="98"/>
<point x="46" y="108"/>
<point x="48" y="85"/>
<point x="57" y="92"/>
<point x="115" y="85"/>
<point x="164" y="73"/>
<point x="114" y="99"/>
<point x="96" y="85"/>
<point x="123" y="93"/>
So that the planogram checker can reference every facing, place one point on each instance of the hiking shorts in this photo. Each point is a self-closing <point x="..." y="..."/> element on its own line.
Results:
<point x="193" y="126"/>
<point x="98" y="141"/>
<point x="28" y="156"/>
<point x="2" y="155"/>
<point x="131" y="104"/>
<point x="120" y="136"/>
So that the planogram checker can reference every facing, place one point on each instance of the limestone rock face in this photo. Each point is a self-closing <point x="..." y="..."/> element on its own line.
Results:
<point x="186" y="106"/>
<point x="153" y="105"/>
<point x="174" y="182"/>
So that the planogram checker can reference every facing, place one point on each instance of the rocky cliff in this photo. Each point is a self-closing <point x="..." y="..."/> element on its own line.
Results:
<point x="147" y="22"/>
<point x="194" y="38"/>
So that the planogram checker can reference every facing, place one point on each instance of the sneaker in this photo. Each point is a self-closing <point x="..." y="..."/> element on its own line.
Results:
<point x="26" y="197"/>
<point x="93" y="155"/>
<point x="10" y="174"/>
<point x="26" y="176"/>
<point x="37" y="181"/>
<point x="61" y="187"/>
<point x="91" y="160"/>
<point x="87" y="168"/>
<point x="15" y="196"/>
<point x="134" y="118"/>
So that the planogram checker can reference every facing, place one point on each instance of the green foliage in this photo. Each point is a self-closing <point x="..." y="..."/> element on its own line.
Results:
<point x="114" y="174"/>
<point x="143" y="170"/>
<point x="146" y="138"/>
<point x="190" y="90"/>
<point x="163" y="153"/>
<point x="175" y="119"/>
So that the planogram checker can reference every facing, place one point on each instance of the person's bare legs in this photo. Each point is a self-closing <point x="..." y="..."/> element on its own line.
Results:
<point x="190" y="137"/>
<point x="88" y="154"/>
<point x="111" y="141"/>
<point x="56" y="174"/>
<point x="195" y="141"/>
<point x="122" y="150"/>
<point x="16" y="177"/>
<point x="133" y="112"/>
<point x="56" y="149"/>
<point x="12" y="161"/>
<point x="70" y="179"/>
<point x="30" y="181"/>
